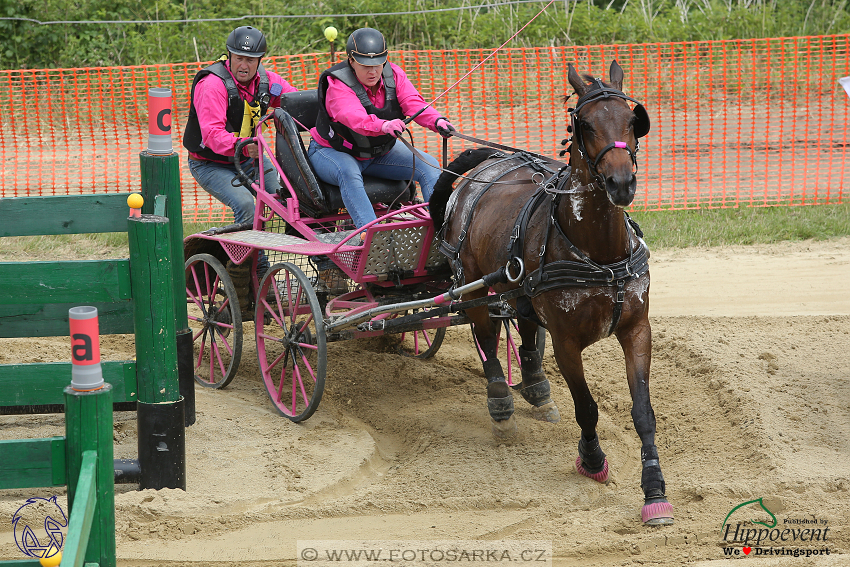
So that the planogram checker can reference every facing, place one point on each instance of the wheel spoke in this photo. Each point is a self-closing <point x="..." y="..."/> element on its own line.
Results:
<point x="297" y="374"/>
<point x="420" y="343"/>
<point x="215" y="321"/>
<point x="201" y="347"/>
<point x="222" y="338"/>
<point x="427" y="337"/>
<point x="290" y="342"/>
<point x="277" y="360"/>
<point x="217" y="351"/>
<point x="284" y="356"/>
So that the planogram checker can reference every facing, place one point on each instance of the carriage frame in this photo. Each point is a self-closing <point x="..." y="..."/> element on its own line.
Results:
<point x="394" y="282"/>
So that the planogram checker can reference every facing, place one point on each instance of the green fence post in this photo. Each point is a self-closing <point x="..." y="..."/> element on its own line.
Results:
<point x="160" y="169"/>
<point x="160" y="409"/>
<point x="88" y="426"/>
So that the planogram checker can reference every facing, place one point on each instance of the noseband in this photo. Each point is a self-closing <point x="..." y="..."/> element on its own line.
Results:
<point x="641" y="127"/>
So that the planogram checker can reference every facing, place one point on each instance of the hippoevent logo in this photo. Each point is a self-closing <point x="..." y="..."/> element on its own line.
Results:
<point x="38" y="525"/>
<point x="798" y="537"/>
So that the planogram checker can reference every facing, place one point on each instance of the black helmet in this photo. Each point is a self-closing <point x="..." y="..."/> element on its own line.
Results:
<point x="246" y="40"/>
<point x="367" y="46"/>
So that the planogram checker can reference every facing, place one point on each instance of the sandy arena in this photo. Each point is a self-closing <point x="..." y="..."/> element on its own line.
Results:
<point x="751" y="361"/>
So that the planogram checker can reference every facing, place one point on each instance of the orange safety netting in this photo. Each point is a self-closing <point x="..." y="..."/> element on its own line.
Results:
<point x="734" y="123"/>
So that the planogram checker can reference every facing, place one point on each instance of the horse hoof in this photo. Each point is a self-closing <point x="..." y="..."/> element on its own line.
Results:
<point x="601" y="476"/>
<point x="547" y="412"/>
<point x="657" y="514"/>
<point x="504" y="430"/>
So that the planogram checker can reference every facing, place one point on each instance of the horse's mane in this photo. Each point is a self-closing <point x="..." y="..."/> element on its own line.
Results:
<point x="589" y="80"/>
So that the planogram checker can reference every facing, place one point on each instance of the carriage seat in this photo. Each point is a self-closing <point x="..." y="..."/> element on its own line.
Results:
<point x="314" y="195"/>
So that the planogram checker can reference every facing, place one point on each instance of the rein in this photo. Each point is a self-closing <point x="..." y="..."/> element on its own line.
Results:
<point x="537" y="158"/>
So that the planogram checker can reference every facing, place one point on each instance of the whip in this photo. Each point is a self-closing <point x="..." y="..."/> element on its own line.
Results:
<point x="408" y="120"/>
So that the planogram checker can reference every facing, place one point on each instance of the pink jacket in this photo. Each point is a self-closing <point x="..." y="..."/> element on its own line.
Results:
<point x="211" y="105"/>
<point x="344" y="106"/>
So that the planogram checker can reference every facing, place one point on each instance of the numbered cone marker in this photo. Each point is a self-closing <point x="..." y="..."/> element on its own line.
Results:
<point x="86" y="373"/>
<point x="159" y="121"/>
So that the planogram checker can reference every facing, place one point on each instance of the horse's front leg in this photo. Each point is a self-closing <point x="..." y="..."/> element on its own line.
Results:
<point x="591" y="461"/>
<point x="500" y="401"/>
<point x="636" y="341"/>
<point x="535" y="388"/>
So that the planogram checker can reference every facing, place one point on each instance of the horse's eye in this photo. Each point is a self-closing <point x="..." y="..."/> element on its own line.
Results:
<point x="586" y="126"/>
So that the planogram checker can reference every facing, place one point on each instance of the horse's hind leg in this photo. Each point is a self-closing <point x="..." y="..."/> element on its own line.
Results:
<point x="500" y="401"/>
<point x="535" y="386"/>
<point x="637" y="346"/>
<point x="591" y="461"/>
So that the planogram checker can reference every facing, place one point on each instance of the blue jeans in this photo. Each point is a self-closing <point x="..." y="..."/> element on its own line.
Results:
<point x="339" y="168"/>
<point x="215" y="179"/>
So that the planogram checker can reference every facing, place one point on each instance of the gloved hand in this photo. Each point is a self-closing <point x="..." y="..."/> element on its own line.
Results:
<point x="444" y="127"/>
<point x="393" y="127"/>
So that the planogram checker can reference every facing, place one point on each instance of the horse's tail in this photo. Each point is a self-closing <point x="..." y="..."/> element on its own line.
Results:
<point x="443" y="188"/>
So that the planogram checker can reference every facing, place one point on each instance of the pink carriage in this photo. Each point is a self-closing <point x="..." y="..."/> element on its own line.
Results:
<point x="393" y="282"/>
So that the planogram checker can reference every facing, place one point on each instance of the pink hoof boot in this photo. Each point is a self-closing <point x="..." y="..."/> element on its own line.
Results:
<point x="601" y="476"/>
<point x="657" y="514"/>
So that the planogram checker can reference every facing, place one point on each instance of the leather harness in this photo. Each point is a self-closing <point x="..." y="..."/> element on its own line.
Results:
<point x="559" y="273"/>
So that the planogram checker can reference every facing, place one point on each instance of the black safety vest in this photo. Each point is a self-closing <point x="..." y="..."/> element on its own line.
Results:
<point x="235" y="108"/>
<point x="337" y="133"/>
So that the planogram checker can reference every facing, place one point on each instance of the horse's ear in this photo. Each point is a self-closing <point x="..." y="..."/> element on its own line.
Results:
<point x="616" y="74"/>
<point x="575" y="80"/>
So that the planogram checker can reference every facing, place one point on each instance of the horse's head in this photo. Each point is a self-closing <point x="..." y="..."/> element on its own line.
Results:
<point x="605" y="134"/>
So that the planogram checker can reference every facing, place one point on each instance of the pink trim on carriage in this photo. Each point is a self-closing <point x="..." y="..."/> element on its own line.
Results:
<point x="620" y="145"/>
<point x="601" y="476"/>
<point x="656" y="511"/>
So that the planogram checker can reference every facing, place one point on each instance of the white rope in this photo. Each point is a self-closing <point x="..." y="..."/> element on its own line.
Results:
<point x="278" y="17"/>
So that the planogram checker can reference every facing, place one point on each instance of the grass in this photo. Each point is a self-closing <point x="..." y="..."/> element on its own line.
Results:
<point x="662" y="229"/>
<point x="745" y="226"/>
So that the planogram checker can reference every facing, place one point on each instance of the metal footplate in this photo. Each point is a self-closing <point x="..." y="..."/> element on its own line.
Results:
<point x="399" y="250"/>
<point x="240" y="244"/>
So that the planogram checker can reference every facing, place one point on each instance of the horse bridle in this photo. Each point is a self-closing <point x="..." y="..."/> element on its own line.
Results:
<point x="641" y="127"/>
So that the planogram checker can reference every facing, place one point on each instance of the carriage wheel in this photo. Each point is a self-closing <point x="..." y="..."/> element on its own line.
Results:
<point x="511" y="354"/>
<point x="291" y="342"/>
<point x="421" y="344"/>
<point x="215" y="320"/>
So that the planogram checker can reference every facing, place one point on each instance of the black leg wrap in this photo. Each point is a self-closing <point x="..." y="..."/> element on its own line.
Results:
<point x="592" y="457"/>
<point x="651" y="480"/>
<point x="531" y="365"/>
<point x="493" y="371"/>
<point x="500" y="408"/>
<point x="536" y="394"/>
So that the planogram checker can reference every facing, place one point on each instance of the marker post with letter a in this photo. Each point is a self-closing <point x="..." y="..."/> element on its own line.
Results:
<point x="88" y="427"/>
<point x="86" y="372"/>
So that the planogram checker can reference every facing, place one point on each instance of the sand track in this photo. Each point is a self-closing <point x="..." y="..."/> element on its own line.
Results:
<point x="751" y="360"/>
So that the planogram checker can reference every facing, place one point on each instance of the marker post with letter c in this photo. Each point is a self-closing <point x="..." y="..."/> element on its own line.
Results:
<point x="160" y="169"/>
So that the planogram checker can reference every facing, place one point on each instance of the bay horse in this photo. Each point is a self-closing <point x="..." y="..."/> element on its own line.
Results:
<point x="585" y="267"/>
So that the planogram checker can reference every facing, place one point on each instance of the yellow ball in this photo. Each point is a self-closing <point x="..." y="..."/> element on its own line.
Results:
<point x="55" y="560"/>
<point x="135" y="201"/>
<point x="330" y="33"/>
